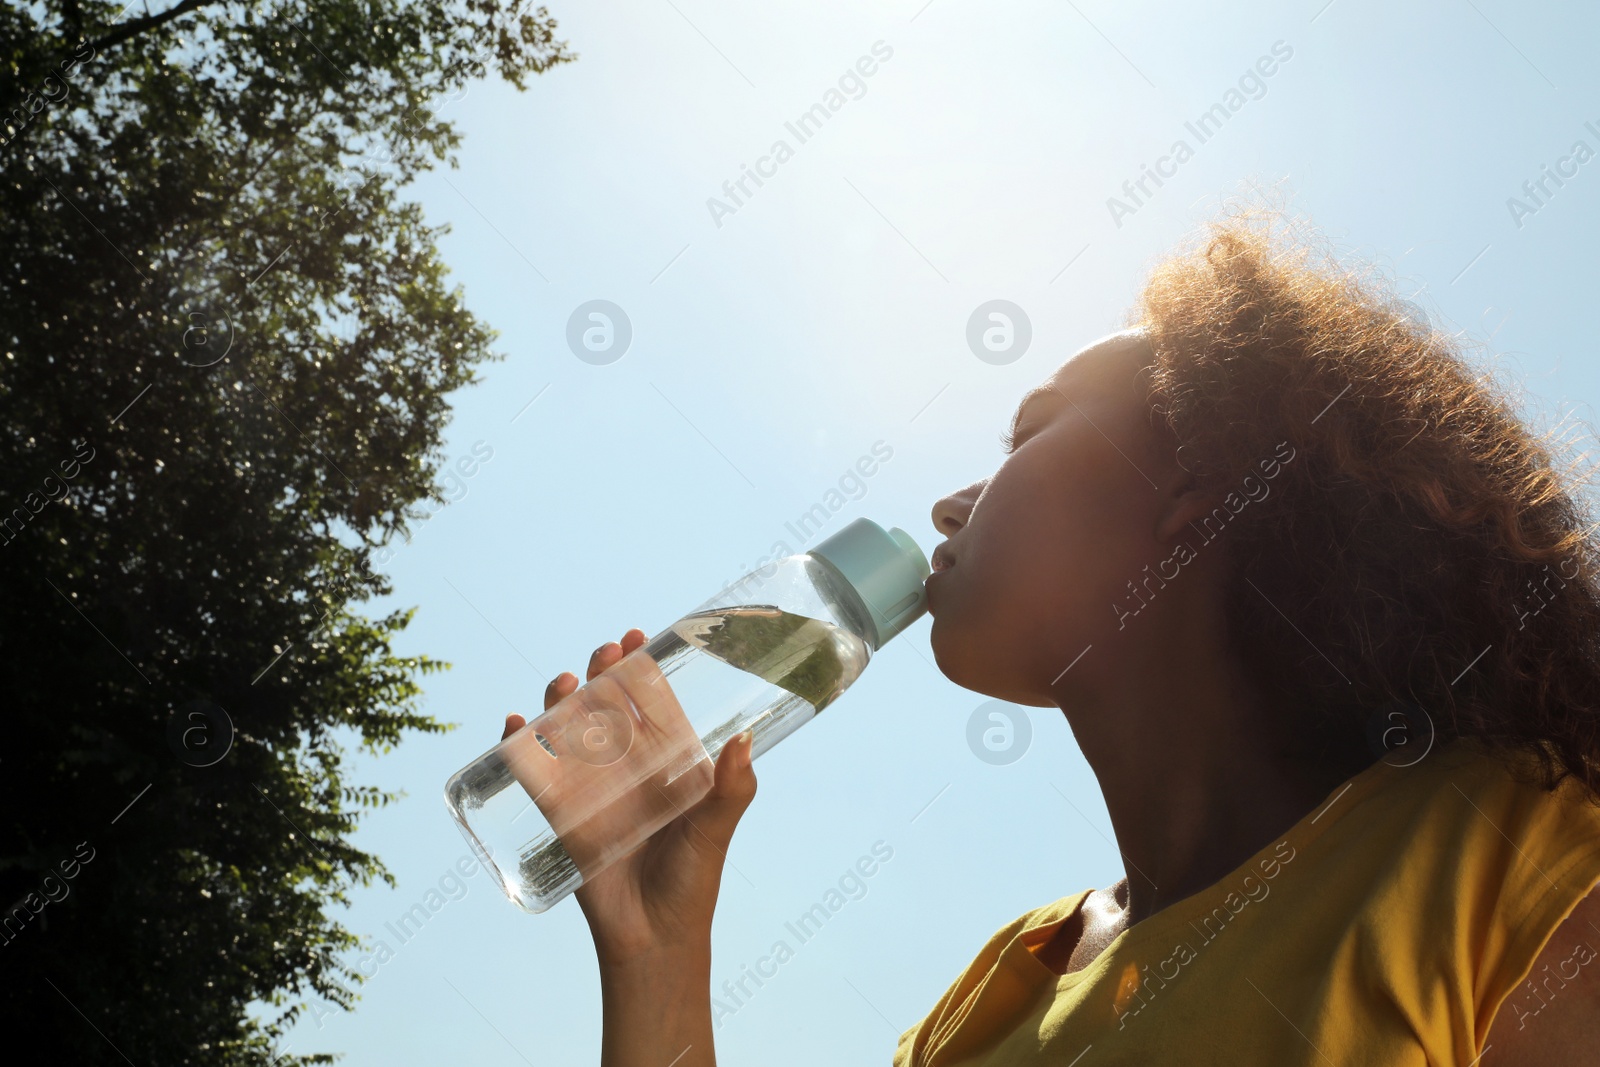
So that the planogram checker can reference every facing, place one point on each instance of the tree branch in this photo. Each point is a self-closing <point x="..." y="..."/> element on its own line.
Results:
<point x="134" y="27"/>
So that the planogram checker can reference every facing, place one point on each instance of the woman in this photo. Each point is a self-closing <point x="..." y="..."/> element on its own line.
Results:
<point x="1314" y="529"/>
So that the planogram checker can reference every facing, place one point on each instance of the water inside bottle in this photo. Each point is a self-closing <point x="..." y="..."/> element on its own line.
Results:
<point x="770" y="670"/>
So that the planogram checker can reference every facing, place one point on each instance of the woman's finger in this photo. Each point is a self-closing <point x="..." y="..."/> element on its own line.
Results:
<point x="560" y="687"/>
<point x="733" y="788"/>
<point x="605" y="656"/>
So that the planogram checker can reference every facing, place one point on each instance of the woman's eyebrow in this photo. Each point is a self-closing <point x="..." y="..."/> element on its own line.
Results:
<point x="1027" y="398"/>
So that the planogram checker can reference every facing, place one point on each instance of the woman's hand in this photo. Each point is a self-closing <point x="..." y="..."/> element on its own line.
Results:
<point x="650" y="912"/>
<point x="659" y="900"/>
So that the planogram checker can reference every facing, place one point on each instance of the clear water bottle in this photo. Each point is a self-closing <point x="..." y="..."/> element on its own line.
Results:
<point x="591" y="779"/>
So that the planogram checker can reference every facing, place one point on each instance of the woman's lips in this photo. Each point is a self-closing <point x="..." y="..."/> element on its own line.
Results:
<point x="929" y="585"/>
<point x="939" y="564"/>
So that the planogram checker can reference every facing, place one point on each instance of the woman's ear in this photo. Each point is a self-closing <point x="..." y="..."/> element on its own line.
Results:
<point x="1183" y="504"/>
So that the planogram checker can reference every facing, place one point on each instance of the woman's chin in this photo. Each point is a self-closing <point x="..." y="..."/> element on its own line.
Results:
<point x="960" y="658"/>
<point x="970" y="664"/>
<point x="948" y="650"/>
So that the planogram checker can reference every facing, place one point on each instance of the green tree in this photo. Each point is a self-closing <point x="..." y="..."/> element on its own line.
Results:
<point x="228" y="343"/>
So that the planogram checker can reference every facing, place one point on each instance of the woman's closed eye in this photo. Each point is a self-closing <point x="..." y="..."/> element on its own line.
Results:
<point x="1011" y="439"/>
<point x="1028" y="417"/>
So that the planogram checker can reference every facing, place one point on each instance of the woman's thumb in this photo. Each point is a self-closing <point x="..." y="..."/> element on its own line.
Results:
<point x="733" y="787"/>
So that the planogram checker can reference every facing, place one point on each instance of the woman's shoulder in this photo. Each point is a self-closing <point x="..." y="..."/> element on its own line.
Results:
<point x="1474" y="825"/>
<point x="1469" y="784"/>
<point x="1500" y="800"/>
<point x="1463" y="865"/>
<point x="1552" y="1017"/>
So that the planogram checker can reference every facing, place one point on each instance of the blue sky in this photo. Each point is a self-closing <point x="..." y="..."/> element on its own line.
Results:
<point x="775" y="345"/>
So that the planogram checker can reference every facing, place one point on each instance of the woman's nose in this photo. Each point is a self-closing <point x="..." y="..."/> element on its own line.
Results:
<point x="950" y="513"/>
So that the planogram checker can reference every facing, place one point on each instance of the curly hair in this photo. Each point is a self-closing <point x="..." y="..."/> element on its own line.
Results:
<point x="1422" y="549"/>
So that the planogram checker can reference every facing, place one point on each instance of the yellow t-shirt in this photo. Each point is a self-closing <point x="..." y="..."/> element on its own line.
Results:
<point x="1386" y="927"/>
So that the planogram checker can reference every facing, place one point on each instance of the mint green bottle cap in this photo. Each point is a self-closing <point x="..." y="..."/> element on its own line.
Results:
<point x="885" y="568"/>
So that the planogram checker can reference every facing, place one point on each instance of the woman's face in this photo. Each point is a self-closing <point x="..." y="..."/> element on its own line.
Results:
<point x="1038" y="553"/>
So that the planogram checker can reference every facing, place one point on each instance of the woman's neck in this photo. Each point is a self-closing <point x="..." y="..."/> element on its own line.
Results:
<point x="1194" y="779"/>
